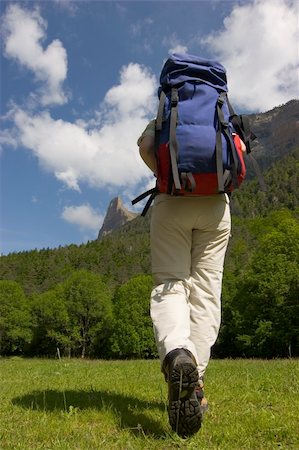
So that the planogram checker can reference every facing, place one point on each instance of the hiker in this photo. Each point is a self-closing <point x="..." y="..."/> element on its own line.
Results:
<point x="189" y="237"/>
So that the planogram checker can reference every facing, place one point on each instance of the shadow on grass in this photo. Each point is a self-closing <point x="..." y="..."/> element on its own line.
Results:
<point x="130" y="410"/>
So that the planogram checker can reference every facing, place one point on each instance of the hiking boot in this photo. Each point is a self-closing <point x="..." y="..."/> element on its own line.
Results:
<point x="201" y="397"/>
<point x="184" y="410"/>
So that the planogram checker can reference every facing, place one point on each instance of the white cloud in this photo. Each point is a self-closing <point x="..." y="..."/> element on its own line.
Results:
<point x="83" y="216"/>
<point x="178" y="49"/>
<point x="134" y="96"/>
<point x="173" y="43"/>
<point x="24" y="32"/>
<point x="69" y="6"/>
<point x="102" y="155"/>
<point x="138" y="27"/>
<point x="7" y="138"/>
<point x="259" y="47"/>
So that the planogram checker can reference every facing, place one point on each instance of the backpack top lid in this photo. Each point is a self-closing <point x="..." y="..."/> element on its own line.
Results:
<point x="182" y="67"/>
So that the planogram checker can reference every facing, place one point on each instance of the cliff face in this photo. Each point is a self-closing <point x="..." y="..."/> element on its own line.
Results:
<point x="116" y="216"/>
<point x="277" y="133"/>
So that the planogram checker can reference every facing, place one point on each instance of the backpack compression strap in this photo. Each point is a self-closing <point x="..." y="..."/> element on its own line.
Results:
<point x="152" y="192"/>
<point x="159" y="120"/>
<point x="173" y="143"/>
<point x="223" y="178"/>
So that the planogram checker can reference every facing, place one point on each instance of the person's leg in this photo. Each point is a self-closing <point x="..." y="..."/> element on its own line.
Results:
<point x="170" y="314"/>
<point x="208" y="252"/>
<point x="171" y="241"/>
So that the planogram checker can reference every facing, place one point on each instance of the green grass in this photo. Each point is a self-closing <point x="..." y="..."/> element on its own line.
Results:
<point x="77" y="404"/>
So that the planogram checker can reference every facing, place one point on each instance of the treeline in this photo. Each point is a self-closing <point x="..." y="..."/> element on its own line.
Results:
<point x="261" y="288"/>
<point x="277" y="189"/>
<point x="72" y="300"/>
<point x="118" y="257"/>
<point x="82" y="316"/>
<point x="93" y="299"/>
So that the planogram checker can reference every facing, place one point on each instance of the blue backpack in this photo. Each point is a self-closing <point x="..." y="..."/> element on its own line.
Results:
<point x="197" y="133"/>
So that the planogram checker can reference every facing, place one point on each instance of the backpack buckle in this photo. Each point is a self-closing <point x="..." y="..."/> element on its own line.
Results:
<point x="221" y="100"/>
<point x="174" y="98"/>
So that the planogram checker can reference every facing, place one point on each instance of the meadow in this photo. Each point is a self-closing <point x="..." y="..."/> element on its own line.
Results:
<point x="90" y="404"/>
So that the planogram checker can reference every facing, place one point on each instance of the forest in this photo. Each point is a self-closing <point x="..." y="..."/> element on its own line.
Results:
<point x="92" y="300"/>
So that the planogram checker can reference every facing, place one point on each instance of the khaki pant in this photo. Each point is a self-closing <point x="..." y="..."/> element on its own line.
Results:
<point x="189" y="237"/>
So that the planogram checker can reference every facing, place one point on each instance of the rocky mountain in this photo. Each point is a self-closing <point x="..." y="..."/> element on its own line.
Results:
<point x="116" y="216"/>
<point x="277" y="133"/>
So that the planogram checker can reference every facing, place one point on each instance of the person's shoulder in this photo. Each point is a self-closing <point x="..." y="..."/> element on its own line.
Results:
<point x="148" y="131"/>
<point x="150" y="126"/>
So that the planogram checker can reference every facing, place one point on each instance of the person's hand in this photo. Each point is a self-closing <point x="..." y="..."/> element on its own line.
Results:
<point x="243" y="146"/>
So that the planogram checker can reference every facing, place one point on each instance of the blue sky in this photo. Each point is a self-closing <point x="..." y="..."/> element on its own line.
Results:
<point x="79" y="83"/>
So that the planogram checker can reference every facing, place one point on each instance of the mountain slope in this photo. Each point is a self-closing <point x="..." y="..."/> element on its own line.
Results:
<point x="125" y="252"/>
<point x="277" y="134"/>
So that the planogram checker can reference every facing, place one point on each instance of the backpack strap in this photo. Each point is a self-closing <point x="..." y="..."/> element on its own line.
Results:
<point x="188" y="181"/>
<point x="152" y="193"/>
<point x="158" y="127"/>
<point x="258" y="172"/>
<point x="173" y="143"/>
<point x="242" y="126"/>
<point x="219" y="159"/>
<point x="223" y="178"/>
<point x="159" y="120"/>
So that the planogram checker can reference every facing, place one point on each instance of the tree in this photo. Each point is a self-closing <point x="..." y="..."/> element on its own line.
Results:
<point x="89" y="307"/>
<point x="267" y="298"/>
<point x="133" y="332"/>
<point x="52" y="323"/>
<point x="15" y="318"/>
<point x="75" y="316"/>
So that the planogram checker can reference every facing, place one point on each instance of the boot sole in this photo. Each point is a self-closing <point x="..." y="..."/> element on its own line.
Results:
<point x="184" y="408"/>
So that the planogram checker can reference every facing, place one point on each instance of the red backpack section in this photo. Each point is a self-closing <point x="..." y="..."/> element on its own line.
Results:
<point x="206" y="183"/>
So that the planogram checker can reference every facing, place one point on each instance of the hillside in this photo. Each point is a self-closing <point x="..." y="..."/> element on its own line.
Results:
<point x="281" y="181"/>
<point x="277" y="133"/>
<point x="125" y="252"/>
<point x="70" y="297"/>
<point x="49" y="297"/>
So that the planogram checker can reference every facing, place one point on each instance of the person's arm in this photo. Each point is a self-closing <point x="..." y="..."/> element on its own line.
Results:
<point x="146" y="144"/>
<point x="147" y="152"/>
